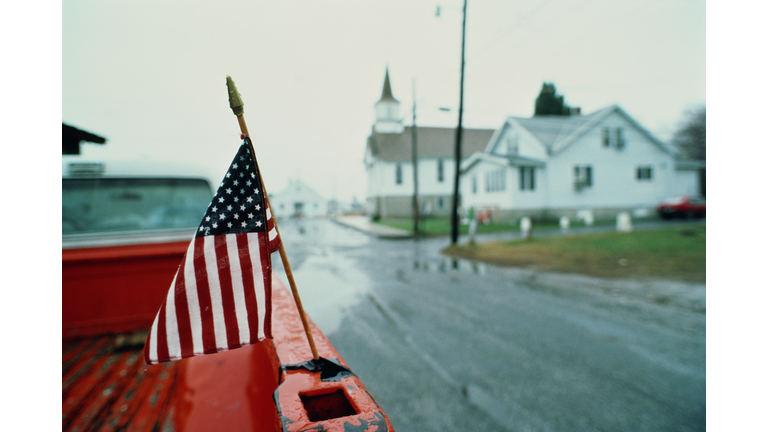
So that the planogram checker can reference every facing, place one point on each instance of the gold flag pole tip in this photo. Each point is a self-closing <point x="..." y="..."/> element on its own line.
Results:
<point x="235" y="102"/>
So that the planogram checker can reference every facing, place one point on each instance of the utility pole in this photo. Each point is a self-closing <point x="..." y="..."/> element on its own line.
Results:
<point x="455" y="206"/>
<point x="415" y="161"/>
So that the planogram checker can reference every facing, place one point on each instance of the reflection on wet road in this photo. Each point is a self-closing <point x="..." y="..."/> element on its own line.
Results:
<point x="451" y="345"/>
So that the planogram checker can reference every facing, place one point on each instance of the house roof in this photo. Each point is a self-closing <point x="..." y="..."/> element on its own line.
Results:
<point x="556" y="133"/>
<point x="71" y="137"/>
<point x="431" y="142"/>
<point x="500" y="160"/>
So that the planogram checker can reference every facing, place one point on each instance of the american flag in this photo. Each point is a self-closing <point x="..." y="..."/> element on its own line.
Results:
<point x="220" y="298"/>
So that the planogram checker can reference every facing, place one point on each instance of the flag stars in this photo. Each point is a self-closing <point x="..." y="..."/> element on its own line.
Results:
<point x="258" y="223"/>
<point x="229" y="208"/>
<point x="222" y="216"/>
<point x="215" y="209"/>
<point x="248" y="183"/>
<point x="221" y="200"/>
<point x="236" y="216"/>
<point x="250" y="215"/>
<point x="236" y="182"/>
<point x="229" y="191"/>
<point x="243" y="224"/>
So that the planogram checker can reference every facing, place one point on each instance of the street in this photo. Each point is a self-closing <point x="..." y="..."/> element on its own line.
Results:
<point x="451" y="345"/>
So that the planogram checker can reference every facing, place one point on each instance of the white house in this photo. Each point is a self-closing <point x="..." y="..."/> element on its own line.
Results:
<point x="298" y="200"/>
<point x="553" y="166"/>
<point x="388" y="162"/>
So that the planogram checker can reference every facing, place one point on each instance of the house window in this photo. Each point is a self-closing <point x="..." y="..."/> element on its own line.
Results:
<point x="440" y="202"/>
<point x="399" y="174"/>
<point x="440" y="170"/>
<point x="474" y="184"/>
<point x="644" y="173"/>
<point x="527" y="178"/>
<point x="496" y="180"/>
<point x="619" y="139"/>
<point x="582" y="176"/>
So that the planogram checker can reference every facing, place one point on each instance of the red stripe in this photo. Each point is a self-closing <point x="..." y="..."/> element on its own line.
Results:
<point x="251" y="303"/>
<point x="182" y="312"/>
<point x="227" y="296"/>
<point x="204" y="297"/>
<point x="266" y="267"/>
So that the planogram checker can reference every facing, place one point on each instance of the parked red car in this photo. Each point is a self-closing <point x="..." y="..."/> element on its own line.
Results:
<point x="683" y="206"/>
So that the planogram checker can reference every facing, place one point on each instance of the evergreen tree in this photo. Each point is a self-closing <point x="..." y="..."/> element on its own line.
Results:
<point x="550" y="103"/>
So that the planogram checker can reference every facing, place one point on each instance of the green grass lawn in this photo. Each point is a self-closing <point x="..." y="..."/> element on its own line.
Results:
<point x="674" y="253"/>
<point x="442" y="226"/>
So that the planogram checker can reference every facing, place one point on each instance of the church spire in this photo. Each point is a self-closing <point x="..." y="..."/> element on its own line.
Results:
<point x="386" y="92"/>
<point x="388" y="110"/>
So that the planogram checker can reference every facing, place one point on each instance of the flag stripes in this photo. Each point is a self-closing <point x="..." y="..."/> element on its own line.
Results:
<point x="237" y="313"/>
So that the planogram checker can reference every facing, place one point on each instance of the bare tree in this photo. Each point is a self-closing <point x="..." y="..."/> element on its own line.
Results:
<point x="691" y="137"/>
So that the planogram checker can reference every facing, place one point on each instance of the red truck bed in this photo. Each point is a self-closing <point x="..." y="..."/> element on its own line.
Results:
<point x="107" y="386"/>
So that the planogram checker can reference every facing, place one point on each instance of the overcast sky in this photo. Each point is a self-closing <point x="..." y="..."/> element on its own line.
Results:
<point x="150" y="76"/>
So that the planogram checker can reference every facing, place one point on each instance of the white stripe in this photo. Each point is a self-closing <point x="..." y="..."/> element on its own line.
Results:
<point x="258" y="278"/>
<point x="214" y="287"/>
<point x="172" y="325"/>
<point x="193" y="304"/>
<point x="241" y="313"/>
<point x="153" y="341"/>
<point x="272" y="234"/>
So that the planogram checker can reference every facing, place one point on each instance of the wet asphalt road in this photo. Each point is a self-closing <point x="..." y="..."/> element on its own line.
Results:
<point x="450" y="345"/>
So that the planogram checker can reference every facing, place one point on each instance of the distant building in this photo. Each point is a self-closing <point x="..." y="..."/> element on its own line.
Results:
<point x="388" y="162"/>
<point x="298" y="200"/>
<point x="552" y="166"/>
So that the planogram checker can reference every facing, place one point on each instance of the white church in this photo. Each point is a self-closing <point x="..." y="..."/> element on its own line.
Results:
<point x="388" y="162"/>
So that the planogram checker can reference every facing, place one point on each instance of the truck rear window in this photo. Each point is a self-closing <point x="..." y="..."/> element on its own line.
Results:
<point x="91" y="205"/>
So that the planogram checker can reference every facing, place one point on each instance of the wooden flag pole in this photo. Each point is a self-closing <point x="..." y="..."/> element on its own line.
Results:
<point x="237" y="107"/>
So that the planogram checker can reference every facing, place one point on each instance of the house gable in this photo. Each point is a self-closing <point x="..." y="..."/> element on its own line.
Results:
<point x="514" y="140"/>
<point x="597" y="120"/>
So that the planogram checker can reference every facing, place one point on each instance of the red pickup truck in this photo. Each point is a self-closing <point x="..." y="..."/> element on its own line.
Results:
<point x="125" y="229"/>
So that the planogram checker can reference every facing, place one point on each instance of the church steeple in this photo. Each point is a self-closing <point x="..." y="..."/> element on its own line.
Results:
<point x="386" y="93"/>
<point x="388" y="110"/>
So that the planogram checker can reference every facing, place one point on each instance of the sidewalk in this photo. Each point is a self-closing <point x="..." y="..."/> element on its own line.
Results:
<point x="364" y="224"/>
